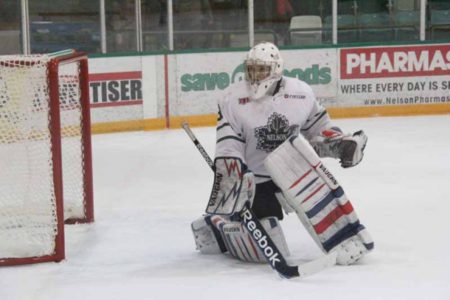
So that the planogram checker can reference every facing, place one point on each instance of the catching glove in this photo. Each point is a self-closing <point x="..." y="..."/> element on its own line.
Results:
<point x="348" y="148"/>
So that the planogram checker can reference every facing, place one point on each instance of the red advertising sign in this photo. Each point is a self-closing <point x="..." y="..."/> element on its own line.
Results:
<point x="400" y="61"/>
<point x="115" y="89"/>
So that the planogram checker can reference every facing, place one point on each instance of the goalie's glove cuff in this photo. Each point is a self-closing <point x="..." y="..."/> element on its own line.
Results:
<point x="327" y="143"/>
<point x="348" y="148"/>
<point x="352" y="149"/>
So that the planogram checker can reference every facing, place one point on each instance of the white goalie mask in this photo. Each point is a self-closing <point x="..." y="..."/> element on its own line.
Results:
<point x="263" y="68"/>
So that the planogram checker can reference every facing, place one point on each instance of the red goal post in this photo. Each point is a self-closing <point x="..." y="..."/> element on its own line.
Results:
<point x="45" y="154"/>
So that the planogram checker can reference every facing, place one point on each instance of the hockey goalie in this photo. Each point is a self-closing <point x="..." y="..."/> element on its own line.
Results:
<point x="271" y="134"/>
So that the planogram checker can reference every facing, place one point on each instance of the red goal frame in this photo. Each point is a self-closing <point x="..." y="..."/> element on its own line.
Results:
<point x="53" y="66"/>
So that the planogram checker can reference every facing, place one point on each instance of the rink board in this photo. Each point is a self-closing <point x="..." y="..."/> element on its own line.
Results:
<point x="145" y="92"/>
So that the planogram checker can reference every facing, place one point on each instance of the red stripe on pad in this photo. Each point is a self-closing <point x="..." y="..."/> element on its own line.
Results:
<point x="300" y="179"/>
<point x="253" y="247"/>
<point x="244" y="257"/>
<point x="333" y="216"/>
<point x="313" y="193"/>
<point x="216" y="220"/>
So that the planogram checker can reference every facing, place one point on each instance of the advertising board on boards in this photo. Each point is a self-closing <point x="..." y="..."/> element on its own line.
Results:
<point x="398" y="75"/>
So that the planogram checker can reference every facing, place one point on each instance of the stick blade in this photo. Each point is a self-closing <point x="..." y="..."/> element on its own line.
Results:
<point x="317" y="265"/>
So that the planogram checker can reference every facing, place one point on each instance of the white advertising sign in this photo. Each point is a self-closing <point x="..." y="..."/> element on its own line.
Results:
<point x="115" y="85"/>
<point x="201" y="78"/>
<point x="395" y="75"/>
<point x="318" y="68"/>
<point x="162" y="86"/>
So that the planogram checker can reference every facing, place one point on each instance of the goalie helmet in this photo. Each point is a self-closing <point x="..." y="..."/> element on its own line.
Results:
<point x="263" y="68"/>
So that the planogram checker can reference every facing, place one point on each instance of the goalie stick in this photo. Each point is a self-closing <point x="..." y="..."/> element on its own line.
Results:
<point x="197" y="144"/>
<point x="259" y="235"/>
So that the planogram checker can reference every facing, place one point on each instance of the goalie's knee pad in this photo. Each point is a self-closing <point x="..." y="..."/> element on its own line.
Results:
<point x="240" y="244"/>
<point x="318" y="200"/>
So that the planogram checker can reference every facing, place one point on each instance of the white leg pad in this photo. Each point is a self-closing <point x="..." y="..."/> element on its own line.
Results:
<point x="205" y="239"/>
<point x="240" y="244"/>
<point x="318" y="200"/>
<point x="284" y="203"/>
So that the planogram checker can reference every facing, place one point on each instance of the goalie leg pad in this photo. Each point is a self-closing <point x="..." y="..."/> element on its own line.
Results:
<point x="240" y="244"/>
<point x="318" y="200"/>
<point x="208" y="239"/>
<point x="284" y="203"/>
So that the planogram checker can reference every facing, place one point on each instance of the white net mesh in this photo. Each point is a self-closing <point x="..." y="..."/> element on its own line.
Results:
<point x="28" y="220"/>
<point x="72" y="146"/>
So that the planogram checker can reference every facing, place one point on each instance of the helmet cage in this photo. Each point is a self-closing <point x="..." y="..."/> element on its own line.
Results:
<point x="257" y="70"/>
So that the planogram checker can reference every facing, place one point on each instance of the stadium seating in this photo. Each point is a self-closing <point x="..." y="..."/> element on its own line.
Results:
<point x="240" y="39"/>
<point x="375" y="27"/>
<point x="405" y="5"/>
<point x="54" y="36"/>
<point x="440" y="24"/>
<point x="439" y="5"/>
<point x="347" y="28"/>
<point x="371" y="6"/>
<point x="347" y="7"/>
<point x="305" y="30"/>
<point x="407" y="23"/>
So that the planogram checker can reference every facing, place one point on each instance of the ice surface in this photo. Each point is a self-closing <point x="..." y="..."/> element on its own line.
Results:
<point x="149" y="186"/>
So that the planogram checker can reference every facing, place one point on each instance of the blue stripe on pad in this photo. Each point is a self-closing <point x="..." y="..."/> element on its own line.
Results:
<point x="307" y="186"/>
<point x="369" y="246"/>
<point x="324" y="202"/>
<point x="272" y="222"/>
<point x="345" y="233"/>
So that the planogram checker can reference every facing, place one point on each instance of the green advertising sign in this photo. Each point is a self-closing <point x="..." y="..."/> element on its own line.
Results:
<point x="212" y="81"/>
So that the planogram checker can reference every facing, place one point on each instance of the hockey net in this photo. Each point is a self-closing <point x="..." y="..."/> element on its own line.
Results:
<point x="45" y="154"/>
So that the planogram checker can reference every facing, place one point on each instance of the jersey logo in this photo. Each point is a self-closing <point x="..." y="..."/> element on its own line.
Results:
<point x="244" y="101"/>
<point x="289" y="96"/>
<point x="274" y="133"/>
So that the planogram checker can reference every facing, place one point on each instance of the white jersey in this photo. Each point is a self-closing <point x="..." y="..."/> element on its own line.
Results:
<point x="251" y="129"/>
